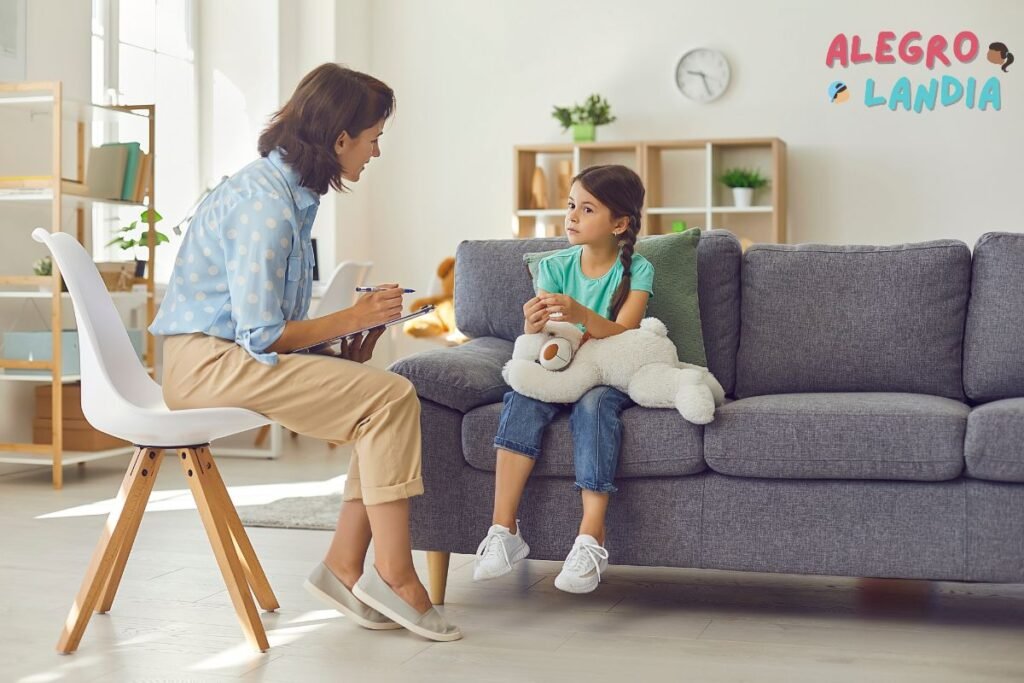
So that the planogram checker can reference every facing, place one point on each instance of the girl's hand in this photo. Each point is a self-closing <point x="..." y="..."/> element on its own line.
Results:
<point x="572" y="311"/>
<point x="535" y="315"/>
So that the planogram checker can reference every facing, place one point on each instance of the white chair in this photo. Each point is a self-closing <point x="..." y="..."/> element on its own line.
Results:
<point x="341" y="288"/>
<point x="339" y="293"/>
<point x="121" y="399"/>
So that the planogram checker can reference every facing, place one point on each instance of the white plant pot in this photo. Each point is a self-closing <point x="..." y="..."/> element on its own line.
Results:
<point x="742" y="197"/>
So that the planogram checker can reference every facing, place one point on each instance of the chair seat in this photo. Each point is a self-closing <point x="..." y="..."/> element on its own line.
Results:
<point x="161" y="427"/>
<point x="864" y="435"/>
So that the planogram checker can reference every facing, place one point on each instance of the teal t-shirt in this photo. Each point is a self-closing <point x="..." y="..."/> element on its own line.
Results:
<point x="561" y="273"/>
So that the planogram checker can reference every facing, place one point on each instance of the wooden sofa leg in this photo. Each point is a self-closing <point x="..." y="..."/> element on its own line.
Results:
<point x="437" y="569"/>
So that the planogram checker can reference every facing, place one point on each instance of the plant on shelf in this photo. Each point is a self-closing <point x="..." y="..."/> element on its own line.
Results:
<point x="43" y="267"/>
<point x="136" y="234"/>
<point x="743" y="183"/>
<point x="585" y="118"/>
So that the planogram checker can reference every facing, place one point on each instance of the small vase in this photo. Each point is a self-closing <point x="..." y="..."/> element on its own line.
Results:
<point x="584" y="132"/>
<point x="742" y="197"/>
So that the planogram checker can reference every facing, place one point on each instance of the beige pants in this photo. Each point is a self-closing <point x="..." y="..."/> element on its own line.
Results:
<point x="327" y="398"/>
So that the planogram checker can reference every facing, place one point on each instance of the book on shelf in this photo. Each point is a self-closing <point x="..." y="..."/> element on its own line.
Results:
<point x="118" y="171"/>
<point x="142" y="178"/>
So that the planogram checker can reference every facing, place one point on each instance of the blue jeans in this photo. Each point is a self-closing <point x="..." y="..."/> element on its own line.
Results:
<point x="596" y="432"/>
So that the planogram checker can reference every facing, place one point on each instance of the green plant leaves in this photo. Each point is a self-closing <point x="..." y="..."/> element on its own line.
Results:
<point x="595" y="110"/>
<point x="125" y="236"/>
<point x="743" y="177"/>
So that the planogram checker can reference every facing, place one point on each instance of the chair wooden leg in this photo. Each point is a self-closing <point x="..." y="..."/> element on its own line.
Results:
<point x="119" y="523"/>
<point x="212" y="511"/>
<point x="437" y="571"/>
<point x="254" y="574"/>
<point x="151" y="458"/>
<point x="261" y="435"/>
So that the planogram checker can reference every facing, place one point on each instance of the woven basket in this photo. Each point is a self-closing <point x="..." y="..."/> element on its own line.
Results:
<point x="117" y="276"/>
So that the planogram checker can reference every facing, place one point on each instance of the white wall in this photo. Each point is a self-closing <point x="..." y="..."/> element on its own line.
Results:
<point x="238" y="83"/>
<point x="473" y="79"/>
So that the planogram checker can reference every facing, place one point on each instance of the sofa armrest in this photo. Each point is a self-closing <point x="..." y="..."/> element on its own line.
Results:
<point x="460" y="377"/>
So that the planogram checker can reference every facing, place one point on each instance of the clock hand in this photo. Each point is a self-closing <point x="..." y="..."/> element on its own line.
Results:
<point x="703" y="78"/>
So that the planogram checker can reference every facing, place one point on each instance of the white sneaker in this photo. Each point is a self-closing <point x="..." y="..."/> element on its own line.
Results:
<point x="499" y="552"/>
<point x="583" y="566"/>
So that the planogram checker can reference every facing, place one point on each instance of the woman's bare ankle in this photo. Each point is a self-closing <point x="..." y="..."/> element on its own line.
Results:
<point x="348" y="575"/>
<point x="408" y="587"/>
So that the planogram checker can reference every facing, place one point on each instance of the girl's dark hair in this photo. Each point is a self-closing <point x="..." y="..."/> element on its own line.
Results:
<point x="621" y="190"/>
<point x="840" y="89"/>
<point x="329" y="100"/>
<point x="1004" y="52"/>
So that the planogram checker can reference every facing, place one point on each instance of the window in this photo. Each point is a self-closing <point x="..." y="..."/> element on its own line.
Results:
<point x="143" y="52"/>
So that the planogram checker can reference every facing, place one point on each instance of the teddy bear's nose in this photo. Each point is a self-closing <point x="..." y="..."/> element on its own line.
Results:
<point x="550" y="352"/>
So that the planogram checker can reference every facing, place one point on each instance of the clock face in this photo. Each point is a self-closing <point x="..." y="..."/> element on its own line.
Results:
<point x="702" y="74"/>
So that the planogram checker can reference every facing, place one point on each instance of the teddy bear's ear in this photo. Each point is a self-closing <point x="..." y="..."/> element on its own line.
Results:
<point x="446" y="266"/>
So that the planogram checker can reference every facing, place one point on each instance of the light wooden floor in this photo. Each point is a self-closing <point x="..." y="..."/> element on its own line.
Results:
<point x="172" y="619"/>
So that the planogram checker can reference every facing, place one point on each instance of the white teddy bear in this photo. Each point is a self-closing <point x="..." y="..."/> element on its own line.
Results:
<point x="641" y="362"/>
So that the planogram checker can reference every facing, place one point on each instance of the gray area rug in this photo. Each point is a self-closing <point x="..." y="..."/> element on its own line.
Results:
<point x="307" y="512"/>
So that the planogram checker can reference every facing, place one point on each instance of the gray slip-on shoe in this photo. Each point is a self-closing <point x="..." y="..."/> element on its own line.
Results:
<point x="323" y="584"/>
<point x="373" y="591"/>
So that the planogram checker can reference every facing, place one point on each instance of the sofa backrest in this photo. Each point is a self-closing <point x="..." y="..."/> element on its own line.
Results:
<point x="492" y="283"/>
<point x="994" y="337"/>
<point x="817" y="317"/>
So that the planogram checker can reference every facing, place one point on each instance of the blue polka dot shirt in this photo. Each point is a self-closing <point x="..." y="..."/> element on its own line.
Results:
<point x="245" y="266"/>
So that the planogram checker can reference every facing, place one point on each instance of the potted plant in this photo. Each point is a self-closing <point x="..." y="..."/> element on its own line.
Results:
<point x="44" y="268"/>
<point x="584" y="118"/>
<point x="136" y="234"/>
<point x="743" y="183"/>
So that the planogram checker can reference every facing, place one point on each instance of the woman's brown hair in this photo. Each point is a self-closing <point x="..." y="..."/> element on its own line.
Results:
<point x="329" y="100"/>
<point x="621" y="190"/>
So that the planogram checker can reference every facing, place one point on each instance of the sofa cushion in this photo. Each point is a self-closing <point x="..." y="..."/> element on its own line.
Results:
<point x="993" y="339"/>
<point x="655" y="443"/>
<point x="830" y="318"/>
<point x="994" y="446"/>
<point x="674" y="258"/>
<point x="461" y="377"/>
<point x="838" y="436"/>
<point x="492" y="284"/>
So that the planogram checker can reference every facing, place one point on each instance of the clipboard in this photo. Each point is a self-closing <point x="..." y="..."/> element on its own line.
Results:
<point x="397" y="321"/>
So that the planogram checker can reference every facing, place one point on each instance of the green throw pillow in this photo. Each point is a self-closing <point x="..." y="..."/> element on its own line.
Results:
<point x="674" y="257"/>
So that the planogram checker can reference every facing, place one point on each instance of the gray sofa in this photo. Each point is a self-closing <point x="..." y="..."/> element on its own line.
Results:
<point x="874" y="424"/>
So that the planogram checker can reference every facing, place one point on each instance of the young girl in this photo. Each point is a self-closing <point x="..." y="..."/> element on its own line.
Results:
<point x="601" y="285"/>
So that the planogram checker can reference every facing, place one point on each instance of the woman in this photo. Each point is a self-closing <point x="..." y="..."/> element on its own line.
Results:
<point x="236" y="307"/>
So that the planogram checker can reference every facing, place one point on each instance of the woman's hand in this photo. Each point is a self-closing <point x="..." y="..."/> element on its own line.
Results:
<point x="357" y="348"/>
<point x="377" y="308"/>
<point x="572" y="311"/>
<point x="360" y="347"/>
<point x="535" y="314"/>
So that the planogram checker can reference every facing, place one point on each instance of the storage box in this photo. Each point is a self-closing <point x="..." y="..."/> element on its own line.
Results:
<point x="70" y="399"/>
<point x="79" y="435"/>
<point x="39" y="346"/>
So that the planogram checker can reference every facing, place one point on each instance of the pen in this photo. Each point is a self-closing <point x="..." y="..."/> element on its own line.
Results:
<point x="364" y="290"/>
